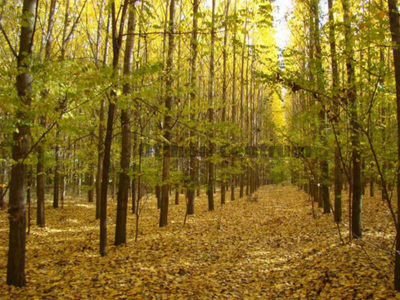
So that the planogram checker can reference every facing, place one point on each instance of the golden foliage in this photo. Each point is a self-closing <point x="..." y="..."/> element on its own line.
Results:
<point x="270" y="249"/>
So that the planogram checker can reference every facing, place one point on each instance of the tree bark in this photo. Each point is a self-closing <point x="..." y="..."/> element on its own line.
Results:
<point x="3" y="175"/>
<point x="57" y="175"/>
<point x="40" y="172"/>
<point x="169" y="98"/>
<point x="100" y="145"/>
<point x="395" y="32"/>
<point x="117" y="43"/>
<point x="124" y="179"/>
<point x="20" y="148"/>
<point x="100" y="157"/>
<point x="224" y="100"/>
<point x="355" y="139"/>
<point x="40" y="185"/>
<point x="91" y="185"/>
<point x="193" y="97"/>
<point x="211" y="145"/>
<point x="233" y="117"/>
<point x="324" y="166"/>
<point x="335" y="89"/>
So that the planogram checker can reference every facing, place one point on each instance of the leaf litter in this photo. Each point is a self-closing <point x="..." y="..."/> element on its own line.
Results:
<point x="269" y="249"/>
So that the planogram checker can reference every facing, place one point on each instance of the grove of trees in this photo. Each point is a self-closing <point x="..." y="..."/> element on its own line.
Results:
<point x="125" y="99"/>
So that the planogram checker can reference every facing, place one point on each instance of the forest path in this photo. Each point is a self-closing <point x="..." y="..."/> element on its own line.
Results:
<point x="268" y="249"/>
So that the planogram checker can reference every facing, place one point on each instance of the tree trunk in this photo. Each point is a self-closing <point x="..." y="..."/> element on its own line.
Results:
<point x="395" y="31"/>
<point x="355" y="139"/>
<point x="224" y="165"/>
<point x="100" y="157"/>
<point x="3" y="175"/>
<point x="211" y="164"/>
<point x="323" y="200"/>
<point x="124" y="180"/>
<point x="133" y="187"/>
<point x="63" y="181"/>
<point x="20" y="148"/>
<point x="91" y="186"/>
<point x="372" y="185"/>
<point x="58" y="178"/>
<point x="40" y="173"/>
<point x="57" y="175"/>
<point x="193" y="96"/>
<point x="100" y="145"/>
<point x="40" y="186"/>
<point x="233" y="117"/>
<point x="117" y="42"/>
<point x="169" y="98"/>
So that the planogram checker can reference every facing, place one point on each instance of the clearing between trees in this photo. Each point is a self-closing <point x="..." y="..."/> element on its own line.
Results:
<point x="269" y="249"/>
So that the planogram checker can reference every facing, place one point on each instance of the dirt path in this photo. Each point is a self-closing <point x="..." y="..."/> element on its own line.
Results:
<point x="268" y="250"/>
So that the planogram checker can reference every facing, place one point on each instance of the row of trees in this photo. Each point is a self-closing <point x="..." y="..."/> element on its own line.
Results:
<point x="343" y="70"/>
<point x="96" y="81"/>
<point x="89" y="84"/>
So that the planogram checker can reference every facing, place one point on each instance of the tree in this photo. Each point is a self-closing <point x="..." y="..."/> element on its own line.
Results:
<point x="100" y="142"/>
<point x="40" y="178"/>
<point x="354" y="122"/>
<point x="20" y="148"/>
<point x="117" y="34"/>
<point x="124" y="179"/>
<point x="211" y="145"/>
<point x="224" y="98"/>
<point x="335" y="89"/>
<point x="193" y="98"/>
<point x="324" y="166"/>
<point x="395" y="32"/>
<point x="168" y="122"/>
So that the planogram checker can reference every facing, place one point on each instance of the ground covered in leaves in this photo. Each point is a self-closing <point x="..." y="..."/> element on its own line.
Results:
<point x="270" y="249"/>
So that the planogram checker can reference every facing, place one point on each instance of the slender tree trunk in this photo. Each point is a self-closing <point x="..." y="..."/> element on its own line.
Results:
<point x="40" y="172"/>
<point x="224" y="100"/>
<point x="20" y="148"/>
<point x="355" y="139"/>
<point x="100" y="145"/>
<point x="114" y="175"/>
<point x="372" y="185"/>
<point x="134" y="187"/>
<point x="338" y="174"/>
<point x="124" y="180"/>
<point x="29" y="196"/>
<point x="117" y="43"/>
<point x="58" y="178"/>
<point x="63" y="180"/>
<point x="211" y="164"/>
<point x="57" y="175"/>
<point x="233" y="120"/>
<point x="139" y="180"/>
<point x="91" y="185"/>
<point x="324" y="189"/>
<point x="40" y="186"/>
<point x="169" y="98"/>
<point x="105" y="180"/>
<point x="247" y="129"/>
<point x="242" y="81"/>
<point x="395" y="31"/>
<point x="193" y="97"/>
<point x="134" y="178"/>
<point x="3" y="175"/>
<point x="100" y="157"/>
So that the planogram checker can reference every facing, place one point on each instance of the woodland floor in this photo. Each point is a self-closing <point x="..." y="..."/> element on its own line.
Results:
<point x="272" y="249"/>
